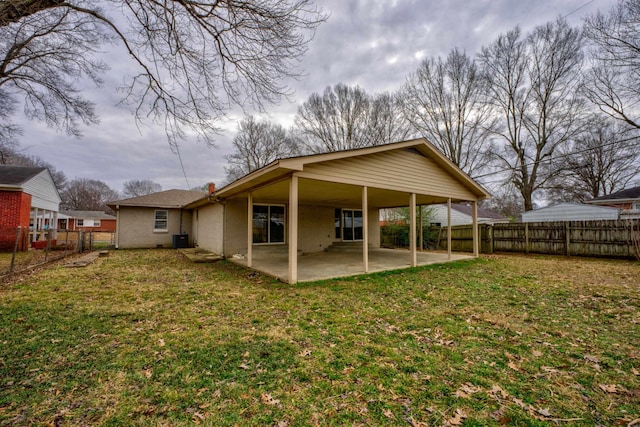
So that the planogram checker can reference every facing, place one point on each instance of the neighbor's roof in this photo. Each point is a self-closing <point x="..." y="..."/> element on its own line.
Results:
<point x="482" y="213"/>
<point x="632" y="193"/>
<point x="15" y="176"/>
<point x="86" y="214"/>
<point x="281" y="167"/>
<point x="163" y="199"/>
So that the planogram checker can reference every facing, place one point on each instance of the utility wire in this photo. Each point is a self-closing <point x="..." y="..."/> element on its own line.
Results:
<point x="561" y="156"/>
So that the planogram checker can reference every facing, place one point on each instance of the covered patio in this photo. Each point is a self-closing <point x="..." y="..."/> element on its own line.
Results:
<point x="328" y="265"/>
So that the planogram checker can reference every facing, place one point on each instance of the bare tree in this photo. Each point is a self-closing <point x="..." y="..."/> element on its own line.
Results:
<point x="89" y="195"/>
<point x="603" y="159"/>
<point x="347" y="117"/>
<point x="194" y="58"/>
<point x="613" y="82"/>
<point x="443" y="101"/>
<point x="533" y="86"/>
<point x="140" y="187"/>
<point x="335" y="121"/>
<point x="386" y="122"/>
<point x="256" y="144"/>
<point x="507" y="201"/>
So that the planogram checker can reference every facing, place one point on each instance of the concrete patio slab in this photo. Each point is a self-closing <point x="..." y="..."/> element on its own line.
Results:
<point x="328" y="265"/>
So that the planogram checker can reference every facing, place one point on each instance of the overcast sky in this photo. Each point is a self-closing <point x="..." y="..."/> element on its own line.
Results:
<point x="370" y="43"/>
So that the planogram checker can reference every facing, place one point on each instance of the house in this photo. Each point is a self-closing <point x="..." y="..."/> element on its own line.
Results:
<point x="461" y="214"/>
<point x="152" y="221"/>
<point x="86" y="221"/>
<point x="281" y="218"/>
<point x="570" y="212"/>
<point x="28" y="197"/>
<point x="628" y="201"/>
<point x="308" y="204"/>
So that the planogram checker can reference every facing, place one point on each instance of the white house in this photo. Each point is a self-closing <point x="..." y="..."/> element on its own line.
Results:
<point x="461" y="214"/>
<point x="571" y="212"/>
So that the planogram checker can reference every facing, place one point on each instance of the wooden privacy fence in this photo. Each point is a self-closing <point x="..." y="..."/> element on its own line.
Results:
<point x="583" y="238"/>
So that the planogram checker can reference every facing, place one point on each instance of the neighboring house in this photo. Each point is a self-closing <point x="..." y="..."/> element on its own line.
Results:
<point x="570" y="212"/>
<point x="461" y="214"/>
<point x="153" y="220"/>
<point x="627" y="200"/>
<point x="86" y="221"/>
<point x="28" y="198"/>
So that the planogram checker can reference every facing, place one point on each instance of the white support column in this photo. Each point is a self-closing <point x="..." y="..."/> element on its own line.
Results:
<point x="250" y="230"/>
<point x="365" y="230"/>
<point x="476" y="242"/>
<point x="55" y="225"/>
<point x="412" y="230"/>
<point x="34" y="237"/>
<point x="449" y="228"/>
<point x="293" y="229"/>
<point x="421" y="235"/>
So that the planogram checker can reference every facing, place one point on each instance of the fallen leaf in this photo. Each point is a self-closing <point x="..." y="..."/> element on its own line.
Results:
<point x="148" y="373"/>
<point x="537" y="353"/>
<point x="216" y="394"/>
<point x="267" y="399"/>
<point x="612" y="388"/>
<point x="161" y="342"/>
<point x="388" y="413"/>
<point x="305" y="353"/>
<point x="635" y="372"/>
<point x="457" y="419"/>
<point x="544" y="412"/>
<point x="513" y="366"/>
<point x="592" y="359"/>
<point x="244" y="366"/>
<point x="497" y="392"/>
<point x="245" y="355"/>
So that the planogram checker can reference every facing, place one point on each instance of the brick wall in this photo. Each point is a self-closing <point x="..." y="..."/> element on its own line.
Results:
<point x="15" y="208"/>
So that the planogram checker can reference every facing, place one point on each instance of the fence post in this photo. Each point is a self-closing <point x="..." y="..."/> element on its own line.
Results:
<point x="490" y="235"/>
<point x="48" y="247"/>
<point x="567" y="232"/>
<point x="15" y="250"/>
<point x="526" y="237"/>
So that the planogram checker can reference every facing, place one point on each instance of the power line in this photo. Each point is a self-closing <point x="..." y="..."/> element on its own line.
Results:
<point x="561" y="156"/>
<point x="182" y="166"/>
<point x="575" y="10"/>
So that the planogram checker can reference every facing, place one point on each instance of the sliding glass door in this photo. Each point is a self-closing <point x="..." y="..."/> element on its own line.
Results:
<point x="351" y="224"/>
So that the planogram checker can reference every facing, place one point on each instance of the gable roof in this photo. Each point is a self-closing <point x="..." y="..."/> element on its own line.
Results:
<point x="482" y="212"/>
<point x="12" y="176"/>
<point x="627" y="194"/>
<point x="282" y="167"/>
<point x="169" y="199"/>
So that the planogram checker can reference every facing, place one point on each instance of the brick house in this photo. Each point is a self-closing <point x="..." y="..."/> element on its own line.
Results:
<point x="86" y="221"/>
<point x="29" y="200"/>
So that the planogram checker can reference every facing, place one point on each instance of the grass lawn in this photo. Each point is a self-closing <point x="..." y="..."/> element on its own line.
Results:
<point x="147" y="338"/>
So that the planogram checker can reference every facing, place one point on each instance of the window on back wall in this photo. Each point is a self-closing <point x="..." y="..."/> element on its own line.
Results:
<point x="80" y="222"/>
<point x="161" y="221"/>
<point x="268" y="223"/>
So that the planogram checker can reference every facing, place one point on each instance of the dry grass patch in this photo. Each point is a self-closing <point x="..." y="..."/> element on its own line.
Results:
<point x="147" y="338"/>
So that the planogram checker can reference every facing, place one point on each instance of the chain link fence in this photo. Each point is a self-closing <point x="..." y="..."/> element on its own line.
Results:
<point x="22" y="249"/>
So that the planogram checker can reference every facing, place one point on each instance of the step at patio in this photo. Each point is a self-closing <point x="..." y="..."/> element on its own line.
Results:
<point x="345" y="247"/>
<point x="272" y="250"/>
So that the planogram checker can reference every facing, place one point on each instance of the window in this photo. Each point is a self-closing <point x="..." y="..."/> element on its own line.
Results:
<point x="351" y="224"/>
<point x="80" y="222"/>
<point x="268" y="223"/>
<point x="161" y="221"/>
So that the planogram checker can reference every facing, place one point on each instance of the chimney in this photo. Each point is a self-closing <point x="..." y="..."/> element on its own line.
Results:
<point x="212" y="188"/>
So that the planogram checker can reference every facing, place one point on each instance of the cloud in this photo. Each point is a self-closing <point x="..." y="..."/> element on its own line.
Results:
<point x="374" y="44"/>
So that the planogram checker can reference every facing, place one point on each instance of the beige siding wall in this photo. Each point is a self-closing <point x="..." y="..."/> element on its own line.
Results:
<point x="135" y="228"/>
<point x="399" y="170"/>
<point x="208" y="227"/>
<point x="235" y="229"/>
<point x="374" y="228"/>
<point x="316" y="231"/>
